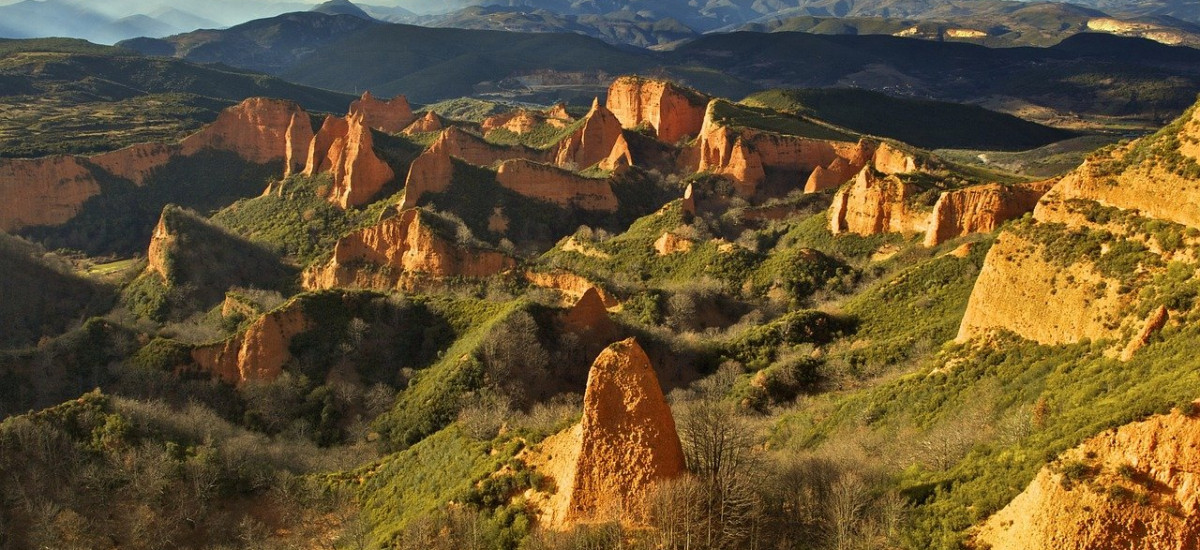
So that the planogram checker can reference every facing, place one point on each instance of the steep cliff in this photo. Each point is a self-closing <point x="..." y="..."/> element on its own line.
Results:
<point x="572" y="286"/>
<point x="672" y="111"/>
<point x="551" y="184"/>
<point x="388" y="116"/>
<point x="1020" y="290"/>
<point x="981" y="209"/>
<point x="345" y="148"/>
<point x="257" y="354"/>
<point x="398" y="251"/>
<point x="592" y="142"/>
<point x="431" y="172"/>
<point x="45" y="191"/>
<point x="51" y="190"/>
<point x="475" y="150"/>
<point x="1138" y="490"/>
<point x="874" y="204"/>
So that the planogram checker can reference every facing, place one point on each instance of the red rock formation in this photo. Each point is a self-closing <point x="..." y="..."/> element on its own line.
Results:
<point x="831" y="177"/>
<point x="670" y="243"/>
<point x="136" y="162"/>
<point x="257" y="354"/>
<point x="628" y="440"/>
<point x="571" y="285"/>
<point x="523" y="121"/>
<point x="51" y="190"/>
<point x="689" y="201"/>
<point x="389" y="116"/>
<point x="160" y="244"/>
<point x="391" y="253"/>
<point x="872" y="205"/>
<point x="593" y="142"/>
<point x="891" y="160"/>
<point x="345" y="149"/>
<point x="45" y="191"/>
<point x="431" y="122"/>
<point x="980" y="209"/>
<point x="619" y="157"/>
<point x="673" y="112"/>
<point x="431" y="172"/>
<point x="257" y="129"/>
<point x="589" y="318"/>
<point x="475" y="150"/>
<point x="1161" y="511"/>
<point x="1154" y="323"/>
<point x="551" y="184"/>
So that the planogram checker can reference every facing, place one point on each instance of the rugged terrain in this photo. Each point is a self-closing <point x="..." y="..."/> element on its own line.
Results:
<point x="658" y="317"/>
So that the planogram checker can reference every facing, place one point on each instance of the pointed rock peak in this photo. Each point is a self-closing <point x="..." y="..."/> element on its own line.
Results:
<point x="366" y="96"/>
<point x="595" y="104"/>
<point x="629" y="439"/>
<point x="689" y="201"/>
<point x="589" y="317"/>
<point x="558" y="111"/>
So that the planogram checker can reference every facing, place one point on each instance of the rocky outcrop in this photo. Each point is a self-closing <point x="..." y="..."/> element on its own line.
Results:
<point x="475" y="150"/>
<point x="744" y="155"/>
<point x="980" y="209"/>
<point x="431" y="172"/>
<point x="1021" y="291"/>
<point x="1140" y="492"/>
<point x="689" y="201"/>
<point x="45" y="191"/>
<point x="389" y="116"/>
<point x="830" y="177"/>
<point x="157" y="255"/>
<point x="398" y="251"/>
<point x="257" y="130"/>
<point x="589" y="318"/>
<point x="619" y="157"/>
<point x="873" y="204"/>
<point x="669" y="243"/>
<point x="628" y="437"/>
<point x="890" y="160"/>
<point x="523" y="121"/>
<point x="51" y="190"/>
<point x="431" y="122"/>
<point x="555" y="185"/>
<point x="593" y="142"/>
<point x="1154" y="323"/>
<point x="345" y="149"/>
<point x="570" y="285"/>
<point x="257" y="354"/>
<point x="672" y="111"/>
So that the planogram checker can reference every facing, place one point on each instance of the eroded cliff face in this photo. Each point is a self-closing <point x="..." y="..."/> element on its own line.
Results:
<point x="431" y="122"/>
<point x="257" y="129"/>
<point x="161" y="241"/>
<point x="744" y="155"/>
<point x="873" y="204"/>
<point x="891" y="160"/>
<point x="628" y="439"/>
<point x="672" y="111"/>
<point x="431" y="172"/>
<point x="591" y="143"/>
<point x="398" y="251"/>
<point x="1142" y="492"/>
<point x="981" y="209"/>
<point x="51" y="190"/>
<point x="388" y="116"/>
<point x="1022" y="291"/>
<point x="551" y="184"/>
<point x="257" y="354"/>
<point x="572" y="286"/>
<point x="45" y="191"/>
<point x="345" y="148"/>
<point x="523" y="121"/>
<point x="475" y="150"/>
